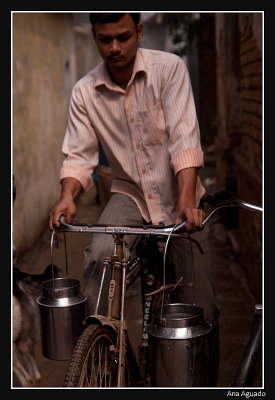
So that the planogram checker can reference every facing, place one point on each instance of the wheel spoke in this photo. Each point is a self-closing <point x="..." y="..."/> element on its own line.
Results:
<point x="99" y="376"/>
<point x="100" y="366"/>
<point x="91" y="380"/>
<point x="94" y="363"/>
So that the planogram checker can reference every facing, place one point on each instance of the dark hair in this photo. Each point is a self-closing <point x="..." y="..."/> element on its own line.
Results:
<point x="111" y="17"/>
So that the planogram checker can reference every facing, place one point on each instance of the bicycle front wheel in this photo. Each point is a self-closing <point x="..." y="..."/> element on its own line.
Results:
<point x="93" y="363"/>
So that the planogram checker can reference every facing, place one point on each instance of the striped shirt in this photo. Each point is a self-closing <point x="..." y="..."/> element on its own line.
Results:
<point x="149" y="132"/>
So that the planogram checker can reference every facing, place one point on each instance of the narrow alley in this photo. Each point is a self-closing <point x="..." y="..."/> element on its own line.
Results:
<point x="223" y="52"/>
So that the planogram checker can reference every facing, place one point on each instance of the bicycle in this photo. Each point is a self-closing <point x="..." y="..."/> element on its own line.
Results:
<point x="102" y="356"/>
<point x="252" y="353"/>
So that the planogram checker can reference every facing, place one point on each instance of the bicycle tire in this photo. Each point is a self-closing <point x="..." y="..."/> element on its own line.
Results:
<point x="94" y="362"/>
<point x="251" y="357"/>
<point x="87" y="367"/>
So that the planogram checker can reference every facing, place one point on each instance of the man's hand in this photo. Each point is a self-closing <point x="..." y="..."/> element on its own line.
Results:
<point x="193" y="217"/>
<point x="71" y="187"/>
<point x="66" y="206"/>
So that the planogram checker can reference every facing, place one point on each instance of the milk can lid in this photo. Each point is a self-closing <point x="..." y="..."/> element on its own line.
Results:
<point x="178" y="321"/>
<point x="61" y="292"/>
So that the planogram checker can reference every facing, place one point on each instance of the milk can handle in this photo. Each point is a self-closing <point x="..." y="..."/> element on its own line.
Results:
<point x="162" y="320"/>
<point x="65" y="248"/>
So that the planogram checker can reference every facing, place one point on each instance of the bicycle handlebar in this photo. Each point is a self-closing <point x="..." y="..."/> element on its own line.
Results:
<point x="224" y="195"/>
<point x="116" y="229"/>
<point x="160" y="230"/>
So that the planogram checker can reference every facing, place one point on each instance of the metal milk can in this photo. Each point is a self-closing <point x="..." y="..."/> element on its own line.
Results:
<point x="62" y="309"/>
<point x="178" y="339"/>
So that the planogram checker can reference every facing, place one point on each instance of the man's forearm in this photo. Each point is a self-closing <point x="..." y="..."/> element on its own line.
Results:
<point x="70" y="187"/>
<point x="187" y="181"/>
<point x="186" y="208"/>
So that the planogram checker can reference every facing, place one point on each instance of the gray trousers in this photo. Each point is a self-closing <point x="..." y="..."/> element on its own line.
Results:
<point x="119" y="210"/>
<point x="183" y="255"/>
<point x="184" y="258"/>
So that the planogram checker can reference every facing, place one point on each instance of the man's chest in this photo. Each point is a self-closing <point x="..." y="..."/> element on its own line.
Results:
<point x="138" y="112"/>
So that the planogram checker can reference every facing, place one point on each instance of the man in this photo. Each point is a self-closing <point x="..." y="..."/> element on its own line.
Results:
<point x="139" y="105"/>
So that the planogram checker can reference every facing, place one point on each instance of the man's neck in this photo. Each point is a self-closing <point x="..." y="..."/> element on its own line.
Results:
<point x="121" y="76"/>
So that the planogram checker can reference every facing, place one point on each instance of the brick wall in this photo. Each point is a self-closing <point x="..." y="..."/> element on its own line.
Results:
<point x="239" y="135"/>
<point x="207" y="78"/>
<point x="229" y="132"/>
<point x="251" y="96"/>
<point x="249" y="158"/>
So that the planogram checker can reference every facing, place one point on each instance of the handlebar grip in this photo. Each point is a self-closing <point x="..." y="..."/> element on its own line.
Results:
<point x="62" y="220"/>
<point x="217" y="195"/>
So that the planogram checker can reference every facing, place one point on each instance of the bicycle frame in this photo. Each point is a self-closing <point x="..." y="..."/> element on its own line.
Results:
<point x="116" y="299"/>
<point x="249" y="359"/>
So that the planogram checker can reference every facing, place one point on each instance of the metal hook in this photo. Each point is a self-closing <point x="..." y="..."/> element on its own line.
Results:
<point x="164" y="271"/>
<point x="66" y="258"/>
<point x="52" y="238"/>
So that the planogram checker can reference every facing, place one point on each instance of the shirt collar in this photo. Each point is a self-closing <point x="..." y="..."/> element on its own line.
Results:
<point x="103" y="77"/>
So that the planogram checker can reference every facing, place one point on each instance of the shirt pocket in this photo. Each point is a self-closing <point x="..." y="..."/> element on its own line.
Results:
<point x="152" y="125"/>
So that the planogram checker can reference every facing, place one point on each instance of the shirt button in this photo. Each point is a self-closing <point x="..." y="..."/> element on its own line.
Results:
<point x="149" y="196"/>
<point x="137" y="146"/>
<point x="143" y="171"/>
<point x="132" y="120"/>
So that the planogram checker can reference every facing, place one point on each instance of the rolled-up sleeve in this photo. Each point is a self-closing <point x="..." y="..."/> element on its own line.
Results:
<point x="181" y="118"/>
<point x="80" y="145"/>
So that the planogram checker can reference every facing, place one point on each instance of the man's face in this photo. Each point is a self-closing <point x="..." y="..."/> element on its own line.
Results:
<point x="117" y="41"/>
